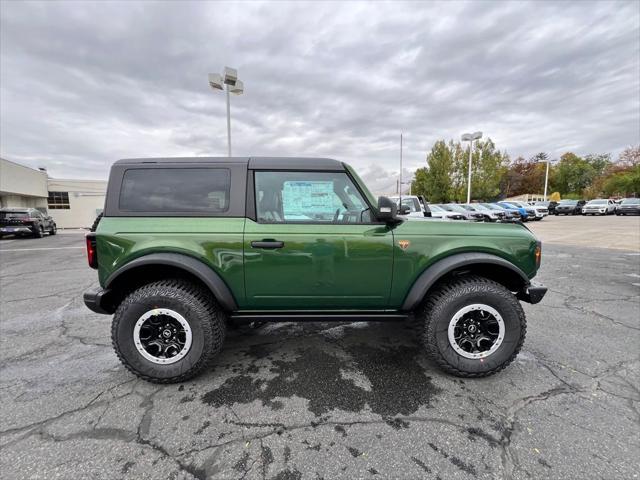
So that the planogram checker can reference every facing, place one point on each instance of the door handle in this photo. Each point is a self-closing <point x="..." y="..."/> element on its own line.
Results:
<point x="268" y="244"/>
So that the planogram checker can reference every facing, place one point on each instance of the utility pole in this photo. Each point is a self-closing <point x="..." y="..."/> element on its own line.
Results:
<point x="400" y="181"/>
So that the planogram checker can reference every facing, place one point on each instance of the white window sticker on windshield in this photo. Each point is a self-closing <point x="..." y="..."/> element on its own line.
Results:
<point x="310" y="199"/>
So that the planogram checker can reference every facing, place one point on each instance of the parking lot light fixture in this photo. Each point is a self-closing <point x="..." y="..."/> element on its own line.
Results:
<point x="470" y="137"/>
<point x="233" y="85"/>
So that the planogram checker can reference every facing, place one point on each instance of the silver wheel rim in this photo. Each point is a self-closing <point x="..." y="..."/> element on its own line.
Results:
<point x="476" y="331"/>
<point x="162" y="336"/>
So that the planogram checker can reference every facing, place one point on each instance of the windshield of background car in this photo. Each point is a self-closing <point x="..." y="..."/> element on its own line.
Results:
<point x="468" y="207"/>
<point x="455" y="208"/>
<point x="598" y="202"/>
<point x="568" y="203"/>
<point x="631" y="201"/>
<point x="508" y="205"/>
<point x="435" y="208"/>
<point x="494" y="206"/>
<point x="412" y="203"/>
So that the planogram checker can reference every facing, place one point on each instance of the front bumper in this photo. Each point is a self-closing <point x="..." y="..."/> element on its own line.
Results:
<point x="97" y="300"/>
<point x="532" y="293"/>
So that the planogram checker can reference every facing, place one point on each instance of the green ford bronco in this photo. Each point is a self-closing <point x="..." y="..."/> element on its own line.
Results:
<point x="186" y="245"/>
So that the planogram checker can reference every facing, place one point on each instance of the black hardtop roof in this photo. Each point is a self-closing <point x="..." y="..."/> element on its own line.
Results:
<point x="264" y="163"/>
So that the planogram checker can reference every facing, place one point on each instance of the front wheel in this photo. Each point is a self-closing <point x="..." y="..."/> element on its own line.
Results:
<point x="168" y="331"/>
<point x="54" y="229"/>
<point x="473" y="327"/>
<point x="39" y="232"/>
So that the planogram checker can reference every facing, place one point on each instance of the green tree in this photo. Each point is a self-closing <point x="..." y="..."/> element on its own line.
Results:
<point x="489" y="168"/>
<point x="573" y="174"/>
<point x="437" y="179"/>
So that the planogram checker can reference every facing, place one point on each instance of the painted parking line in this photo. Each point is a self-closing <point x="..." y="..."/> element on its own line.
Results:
<point x="33" y="249"/>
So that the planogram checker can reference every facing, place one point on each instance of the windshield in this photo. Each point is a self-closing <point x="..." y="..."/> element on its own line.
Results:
<point x="468" y="207"/>
<point x="631" y="201"/>
<point x="452" y="207"/>
<point x="598" y="202"/>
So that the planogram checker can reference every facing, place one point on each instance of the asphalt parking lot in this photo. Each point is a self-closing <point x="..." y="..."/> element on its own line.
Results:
<point x="323" y="400"/>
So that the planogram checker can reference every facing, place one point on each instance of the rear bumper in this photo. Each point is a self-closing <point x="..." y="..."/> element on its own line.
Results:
<point x="97" y="300"/>
<point x="534" y="293"/>
<point x="15" y="230"/>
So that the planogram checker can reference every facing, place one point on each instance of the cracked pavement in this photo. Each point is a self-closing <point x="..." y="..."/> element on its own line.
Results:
<point x="320" y="400"/>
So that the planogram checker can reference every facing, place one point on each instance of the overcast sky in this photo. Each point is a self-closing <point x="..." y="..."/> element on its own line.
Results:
<point x="84" y="84"/>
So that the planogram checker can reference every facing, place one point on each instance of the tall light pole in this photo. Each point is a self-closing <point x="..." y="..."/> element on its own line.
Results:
<point x="546" y="175"/>
<point x="233" y="85"/>
<point x="400" y="180"/>
<point x="470" y="137"/>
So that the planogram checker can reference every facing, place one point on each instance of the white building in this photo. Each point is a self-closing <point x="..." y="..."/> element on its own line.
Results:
<point x="71" y="203"/>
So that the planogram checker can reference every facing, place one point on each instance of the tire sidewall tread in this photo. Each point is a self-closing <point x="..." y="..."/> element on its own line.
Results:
<point x="442" y="304"/>
<point x="206" y="320"/>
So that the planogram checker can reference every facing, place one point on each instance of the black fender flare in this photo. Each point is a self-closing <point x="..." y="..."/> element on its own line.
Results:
<point x="435" y="272"/>
<point x="192" y="265"/>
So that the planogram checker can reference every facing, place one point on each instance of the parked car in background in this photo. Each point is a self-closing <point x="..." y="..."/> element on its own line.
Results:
<point x="502" y="213"/>
<point x="439" y="212"/>
<point x="416" y="208"/>
<point x="599" y="206"/>
<point x="468" y="215"/>
<point x="523" y="212"/>
<point x="25" y="221"/>
<point x="628" y="206"/>
<point x="512" y="214"/>
<point x="489" y="216"/>
<point x="535" y="212"/>
<point x="550" y="206"/>
<point x="569" y="207"/>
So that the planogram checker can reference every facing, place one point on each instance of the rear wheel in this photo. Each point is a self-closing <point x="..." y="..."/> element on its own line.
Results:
<point x="168" y="331"/>
<point x="473" y="327"/>
<point x="39" y="231"/>
<point x="54" y="229"/>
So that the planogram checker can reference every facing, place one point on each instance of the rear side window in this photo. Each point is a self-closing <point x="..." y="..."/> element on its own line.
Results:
<point x="183" y="190"/>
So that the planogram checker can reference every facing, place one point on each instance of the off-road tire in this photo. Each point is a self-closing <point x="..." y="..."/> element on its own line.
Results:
<point x="440" y="307"/>
<point x="205" y="318"/>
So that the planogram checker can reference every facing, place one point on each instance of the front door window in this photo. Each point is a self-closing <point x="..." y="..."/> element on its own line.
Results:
<point x="309" y="197"/>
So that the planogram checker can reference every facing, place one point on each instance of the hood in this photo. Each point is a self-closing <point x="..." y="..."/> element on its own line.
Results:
<point x="437" y="226"/>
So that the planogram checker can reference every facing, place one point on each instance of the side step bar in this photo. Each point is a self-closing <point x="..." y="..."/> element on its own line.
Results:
<point x="317" y="317"/>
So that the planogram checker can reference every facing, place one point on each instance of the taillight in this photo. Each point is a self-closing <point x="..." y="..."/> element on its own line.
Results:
<point x="538" y="254"/>
<point x="92" y="252"/>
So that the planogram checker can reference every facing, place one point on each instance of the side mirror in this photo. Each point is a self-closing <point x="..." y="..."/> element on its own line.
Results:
<point x="387" y="210"/>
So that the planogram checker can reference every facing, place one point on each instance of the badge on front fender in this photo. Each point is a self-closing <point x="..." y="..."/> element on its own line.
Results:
<point x="404" y="244"/>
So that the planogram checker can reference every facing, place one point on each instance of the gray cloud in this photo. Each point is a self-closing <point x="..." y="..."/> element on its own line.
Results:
<point x="83" y="84"/>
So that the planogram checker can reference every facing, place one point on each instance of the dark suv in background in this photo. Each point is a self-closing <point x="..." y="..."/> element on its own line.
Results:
<point x="569" y="207"/>
<point x="628" y="206"/>
<point x="25" y="221"/>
